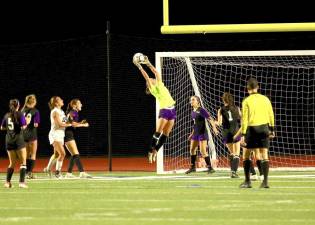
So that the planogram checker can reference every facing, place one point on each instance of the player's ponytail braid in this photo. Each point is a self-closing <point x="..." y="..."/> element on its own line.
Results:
<point x="13" y="105"/>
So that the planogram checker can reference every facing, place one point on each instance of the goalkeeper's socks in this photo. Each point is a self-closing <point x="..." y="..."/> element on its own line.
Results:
<point x="160" y="142"/>
<point x="155" y="139"/>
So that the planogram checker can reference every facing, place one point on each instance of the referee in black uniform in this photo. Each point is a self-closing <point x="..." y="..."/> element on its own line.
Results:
<point x="257" y="129"/>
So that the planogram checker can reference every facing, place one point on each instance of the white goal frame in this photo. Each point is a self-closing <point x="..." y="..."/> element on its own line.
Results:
<point x="186" y="55"/>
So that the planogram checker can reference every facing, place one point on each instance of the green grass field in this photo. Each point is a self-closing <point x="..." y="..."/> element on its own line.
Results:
<point x="146" y="198"/>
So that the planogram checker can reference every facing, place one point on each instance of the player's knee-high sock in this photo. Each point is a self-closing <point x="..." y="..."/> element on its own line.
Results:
<point x="252" y="168"/>
<point x="154" y="141"/>
<point x="32" y="165"/>
<point x="208" y="161"/>
<point x="235" y="163"/>
<point x="51" y="162"/>
<point x="160" y="142"/>
<point x="28" y="165"/>
<point x="246" y="165"/>
<point x="59" y="165"/>
<point x="10" y="172"/>
<point x="231" y="156"/>
<point x="77" y="161"/>
<point x="71" y="164"/>
<point x="22" y="173"/>
<point x="265" y="169"/>
<point x="258" y="163"/>
<point x="193" y="160"/>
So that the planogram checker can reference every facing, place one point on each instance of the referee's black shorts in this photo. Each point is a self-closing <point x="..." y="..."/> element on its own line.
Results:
<point x="257" y="136"/>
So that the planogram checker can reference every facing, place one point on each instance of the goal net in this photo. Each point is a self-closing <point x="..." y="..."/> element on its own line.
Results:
<point x="286" y="77"/>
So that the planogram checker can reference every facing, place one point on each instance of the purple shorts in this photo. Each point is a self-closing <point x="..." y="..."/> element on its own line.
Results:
<point x="200" y="137"/>
<point x="168" y="114"/>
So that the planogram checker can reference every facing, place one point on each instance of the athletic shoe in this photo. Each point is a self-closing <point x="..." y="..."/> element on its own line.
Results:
<point x="30" y="175"/>
<point x="58" y="174"/>
<point x="150" y="157"/>
<point x="22" y="185"/>
<point x="85" y="175"/>
<point x="70" y="175"/>
<point x="190" y="170"/>
<point x="8" y="185"/>
<point x="48" y="171"/>
<point x="210" y="170"/>
<point x="246" y="184"/>
<point x="253" y="177"/>
<point x="264" y="185"/>
<point x="234" y="175"/>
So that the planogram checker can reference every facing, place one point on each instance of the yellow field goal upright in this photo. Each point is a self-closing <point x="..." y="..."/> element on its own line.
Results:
<point x="230" y="28"/>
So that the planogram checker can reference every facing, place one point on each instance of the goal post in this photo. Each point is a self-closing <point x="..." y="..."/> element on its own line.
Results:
<point x="286" y="77"/>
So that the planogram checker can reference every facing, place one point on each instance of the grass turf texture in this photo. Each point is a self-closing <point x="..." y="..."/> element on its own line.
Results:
<point x="146" y="198"/>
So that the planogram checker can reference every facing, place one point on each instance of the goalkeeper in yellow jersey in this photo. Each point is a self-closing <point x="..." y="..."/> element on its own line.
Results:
<point x="167" y="112"/>
<point x="257" y="129"/>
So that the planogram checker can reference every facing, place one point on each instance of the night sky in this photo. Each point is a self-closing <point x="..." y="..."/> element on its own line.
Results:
<point x="58" y="20"/>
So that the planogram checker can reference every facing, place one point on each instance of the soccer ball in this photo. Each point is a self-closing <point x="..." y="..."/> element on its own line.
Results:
<point x="138" y="58"/>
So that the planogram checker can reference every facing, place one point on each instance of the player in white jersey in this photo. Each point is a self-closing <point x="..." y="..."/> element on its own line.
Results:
<point x="57" y="131"/>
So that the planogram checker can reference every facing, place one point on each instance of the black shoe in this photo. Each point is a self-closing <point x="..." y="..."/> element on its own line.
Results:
<point x="264" y="185"/>
<point x="210" y="170"/>
<point x="30" y="175"/>
<point x="246" y="184"/>
<point x="191" y="169"/>
<point x="234" y="175"/>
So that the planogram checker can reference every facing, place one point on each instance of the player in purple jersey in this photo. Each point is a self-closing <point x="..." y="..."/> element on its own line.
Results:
<point x="72" y="113"/>
<point x="14" y="123"/>
<point x="199" y="135"/>
<point x="30" y="133"/>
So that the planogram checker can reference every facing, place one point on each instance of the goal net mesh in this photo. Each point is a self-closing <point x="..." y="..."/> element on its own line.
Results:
<point x="288" y="80"/>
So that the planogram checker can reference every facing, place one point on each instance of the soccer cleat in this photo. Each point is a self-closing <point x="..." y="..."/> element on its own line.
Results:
<point x="22" y="185"/>
<point x="70" y="175"/>
<point x="30" y="175"/>
<point x="58" y="174"/>
<point x="85" y="175"/>
<point x="253" y="177"/>
<point x="150" y="157"/>
<point x="48" y="171"/>
<point x="264" y="185"/>
<point x="210" y="170"/>
<point x="190" y="170"/>
<point x="8" y="185"/>
<point x="234" y="175"/>
<point x="246" y="184"/>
